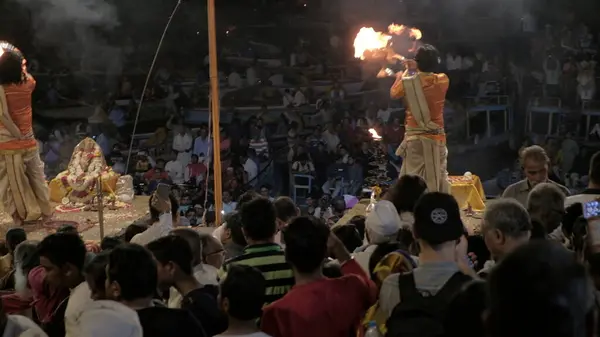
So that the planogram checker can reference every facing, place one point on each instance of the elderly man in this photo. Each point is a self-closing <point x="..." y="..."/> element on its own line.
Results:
<point x="535" y="162"/>
<point x="506" y="226"/>
<point x="546" y="207"/>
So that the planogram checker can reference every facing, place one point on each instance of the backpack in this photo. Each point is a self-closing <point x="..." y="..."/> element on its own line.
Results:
<point x="418" y="315"/>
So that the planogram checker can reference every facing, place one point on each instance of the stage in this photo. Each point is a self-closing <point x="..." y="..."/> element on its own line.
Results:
<point x="89" y="228"/>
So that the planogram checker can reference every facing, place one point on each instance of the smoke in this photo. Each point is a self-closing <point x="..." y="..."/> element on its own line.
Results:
<point x="79" y="31"/>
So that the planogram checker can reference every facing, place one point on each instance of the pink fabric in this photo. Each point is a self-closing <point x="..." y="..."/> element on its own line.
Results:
<point x="45" y="298"/>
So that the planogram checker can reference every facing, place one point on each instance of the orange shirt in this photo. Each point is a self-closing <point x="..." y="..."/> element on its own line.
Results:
<point x="435" y="87"/>
<point x="18" y="100"/>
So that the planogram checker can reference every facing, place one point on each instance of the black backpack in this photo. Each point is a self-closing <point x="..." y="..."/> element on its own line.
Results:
<point x="419" y="315"/>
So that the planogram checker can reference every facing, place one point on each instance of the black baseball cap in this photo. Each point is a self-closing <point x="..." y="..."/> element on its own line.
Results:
<point x="437" y="219"/>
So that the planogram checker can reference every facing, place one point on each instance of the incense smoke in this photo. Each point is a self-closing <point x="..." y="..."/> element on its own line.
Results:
<point x="77" y="30"/>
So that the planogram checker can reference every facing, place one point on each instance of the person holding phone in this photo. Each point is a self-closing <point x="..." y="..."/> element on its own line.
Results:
<point x="163" y="212"/>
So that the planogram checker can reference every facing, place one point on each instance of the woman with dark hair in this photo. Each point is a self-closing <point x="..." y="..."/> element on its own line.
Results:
<point x="404" y="194"/>
<point x="23" y="188"/>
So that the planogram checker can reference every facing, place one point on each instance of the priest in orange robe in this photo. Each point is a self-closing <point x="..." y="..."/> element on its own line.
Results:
<point x="424" y="150"/>
<point x="23" y="189"/>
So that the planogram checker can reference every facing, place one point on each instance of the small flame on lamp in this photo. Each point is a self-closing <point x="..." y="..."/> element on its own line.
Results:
<point x="374" y="134"/>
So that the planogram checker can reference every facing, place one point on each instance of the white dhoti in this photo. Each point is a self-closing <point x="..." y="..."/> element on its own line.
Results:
<point x="426" y="158"/>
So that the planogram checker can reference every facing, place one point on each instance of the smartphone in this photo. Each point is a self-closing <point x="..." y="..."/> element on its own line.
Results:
<point x="591" y="212"/>
<point x="163" y="191"/>
<point x="591" y="209"/>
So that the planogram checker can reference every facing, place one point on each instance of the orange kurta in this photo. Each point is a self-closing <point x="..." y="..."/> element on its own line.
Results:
<point x="18" y="101"/>
<point x="435" y="87"/>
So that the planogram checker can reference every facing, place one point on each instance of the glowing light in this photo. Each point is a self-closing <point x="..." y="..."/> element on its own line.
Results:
<point x="400" y="29"/>
<point x="368" y="39"/>
<point x="374" y="134"/>
<point x="1" y="52"/>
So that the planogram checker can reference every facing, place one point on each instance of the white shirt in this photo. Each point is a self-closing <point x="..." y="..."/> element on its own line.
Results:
<point x="288" y="100"/>
<point x="158" y="229"/>
<point x="251" y="76"/>
<point x="235" y="80"/>
<point x="182" y="142"/>
<point x="21" y="326"/>
<point x="202" y="146"/>
<point x="331" y="140"/>
<point x="299" y="98"/>
<point x="203" y="273"/>
<point x="80" y="298"/>
<point x="229" y="207"/>
<point x="251" y="169"/>
<point x="453" y="63"/>
<point x="176" y="171"/>
<point x="104" y="144"/>
<point x="582" y="198"/>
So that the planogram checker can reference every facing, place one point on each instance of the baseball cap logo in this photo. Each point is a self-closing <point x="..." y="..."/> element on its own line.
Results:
<point x="439" y="216"/>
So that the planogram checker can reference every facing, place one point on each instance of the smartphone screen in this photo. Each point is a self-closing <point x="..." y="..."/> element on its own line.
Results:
<point x="591" y="212"/>
<point x="163" y="191"/>
<point x="591" y="209"/>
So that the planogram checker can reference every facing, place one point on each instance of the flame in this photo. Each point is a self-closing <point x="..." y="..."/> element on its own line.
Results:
<point x="368" y="39"/>
<point x="1" y="52"/>
<point x="400" y="29"/>
<point x="374" y="134"/>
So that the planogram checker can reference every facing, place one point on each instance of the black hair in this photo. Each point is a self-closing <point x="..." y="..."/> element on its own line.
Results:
<point x="67" y="229"/>
<point x="332" y="269"/>
<point x="246" y="197"/>
<point x="173" y="248"/>
<point x="306" y="243"/>
<point x="134" y="269"/>
<point x="155" y="214"/>
<point x="233" y="222"/>
<point x="594" y="172"/>
<point x="405" y="192"/>
<point x="110" y="242"/>
<point x="244" y="287"/>
<point x="259" y="219"/>
<point x="285" y="208"/>
<point x="428" y="58"/>
<point x="349" y="236"/>
<point x="359" y="222"/>
<point x="96" y="270"/>
<point x="210" y="217"/>
<point x="63" y="248"/>
<point x="133" y="230"/>
<point x="572" y="213"/>
<point x="14" y="236"/>
<point x="11" y="65"/>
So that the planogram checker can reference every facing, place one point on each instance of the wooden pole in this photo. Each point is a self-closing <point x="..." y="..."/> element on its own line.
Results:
<point x="214" y="109"/>
<point x="100" y="203"/>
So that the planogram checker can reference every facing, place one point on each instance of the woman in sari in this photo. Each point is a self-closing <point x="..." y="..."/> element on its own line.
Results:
<point x="23" y="189"/>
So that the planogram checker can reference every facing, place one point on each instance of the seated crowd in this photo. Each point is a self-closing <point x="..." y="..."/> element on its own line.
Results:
<point x="410" y="267"/>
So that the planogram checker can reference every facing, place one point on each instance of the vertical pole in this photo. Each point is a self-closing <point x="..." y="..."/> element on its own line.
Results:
<point x="214" y="109"/>
<point x="100" y="204"/>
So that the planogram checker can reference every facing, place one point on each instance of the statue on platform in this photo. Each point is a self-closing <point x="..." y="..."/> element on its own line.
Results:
<point x="23" y="188"/>
<point x="424" y="150"/>
<point x="78" y="183"/>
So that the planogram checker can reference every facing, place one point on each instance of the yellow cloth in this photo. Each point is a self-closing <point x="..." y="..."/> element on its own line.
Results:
<point x="5" y="264"/>
<point x="468" y="191"/>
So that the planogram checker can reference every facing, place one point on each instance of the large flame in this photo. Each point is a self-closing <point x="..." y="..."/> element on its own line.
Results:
<point x="368" y="39"/>
<point x="374" y="134"/>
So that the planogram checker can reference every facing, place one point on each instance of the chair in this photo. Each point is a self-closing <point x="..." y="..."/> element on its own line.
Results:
<point x="308" y="179"/>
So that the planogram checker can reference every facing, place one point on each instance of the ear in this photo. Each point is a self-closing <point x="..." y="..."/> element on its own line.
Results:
<point x="499" y="236"/>
<point x="225" y="304"/>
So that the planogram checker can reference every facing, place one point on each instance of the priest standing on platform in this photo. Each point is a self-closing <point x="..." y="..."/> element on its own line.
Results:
<point x="423" y="149"/>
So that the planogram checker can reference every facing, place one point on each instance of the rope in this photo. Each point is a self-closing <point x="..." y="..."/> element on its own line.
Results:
<point x="139" y="108"/>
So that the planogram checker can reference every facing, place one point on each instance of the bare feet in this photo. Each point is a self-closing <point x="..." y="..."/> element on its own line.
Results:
<point x="46" y="218"/>
<point x="17" y="221"/>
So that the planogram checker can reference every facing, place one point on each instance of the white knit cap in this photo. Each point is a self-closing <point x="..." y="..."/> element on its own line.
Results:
<point x="382" y="222"/>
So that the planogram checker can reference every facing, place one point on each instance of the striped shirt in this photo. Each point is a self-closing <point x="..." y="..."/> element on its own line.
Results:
<point x="269" y="258"/>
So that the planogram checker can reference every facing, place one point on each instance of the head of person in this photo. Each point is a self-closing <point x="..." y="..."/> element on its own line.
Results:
<point x="349" y="236"/>
<point x="438" y="224"/>
<point x="405" y="192"/>
<point x="12" y="64"/>
<point x="265" y="191"/>
<point x="62" y="255"/>
<point x="131" y="274"/>
<point x="213" y="253"/>
<point x="95" y="275"/>
<point x="383" y="223"/>
<point x="173" y="257"/>
<point x="242" y="293"/>
<point x="534" y="162"/>
<point x="306" y="244"/>
<point x="246" y="197"/>
<point x="259" y="220"/>
<point x="155" y="214"/>
<point x="26" y="257"/>
<point x="594" y="172"/>
<point x="195" y="158"/>
<point x="227" y="197"/>
<point x="551" y="284"/>
<point x="110" y="242"/>
<point x="359" y="223"/>
<point x="67" y="229"/>
<point x="14" y="237"/>
<point x="194" y="241"/>
<point x="428" y="58"/>
<point x="506" y="225"/>
<point x="233" y="230"/>
<point x="546" y="206"/>
<point x="133" y="230"/>
<point x="285" y="209"/>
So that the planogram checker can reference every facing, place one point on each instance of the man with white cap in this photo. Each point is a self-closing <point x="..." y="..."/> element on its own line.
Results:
<point x="381" y="226"/>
